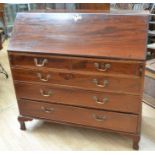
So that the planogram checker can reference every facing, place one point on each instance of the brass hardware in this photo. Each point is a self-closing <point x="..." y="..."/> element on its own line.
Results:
<point x="99" y="118"/>
<point x="102" y="67"/>
<point x="43" y="79"/>
<point x="105" y="83"/>
<point x="45" y="93"/>
<point x="40" y="63"/>
<point x="47" y="110"/>
<point x="104" y="100"/>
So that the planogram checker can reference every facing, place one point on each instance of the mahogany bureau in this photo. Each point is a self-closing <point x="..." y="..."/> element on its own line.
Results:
<point x="82" y="68"/>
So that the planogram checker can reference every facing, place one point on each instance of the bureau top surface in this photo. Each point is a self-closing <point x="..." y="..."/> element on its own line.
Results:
<point x="111" y="35"/>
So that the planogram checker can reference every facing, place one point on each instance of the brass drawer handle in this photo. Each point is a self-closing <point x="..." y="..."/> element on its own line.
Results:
<point x="40" y="76"/>
<point x="47" y="110"/>
<point x="105" y="83"/>
<point x="45" y="93"/>
<point x="104" y="100"/>
<point x="99" y="118"/>
<point x="40" y="63"/>
<point x="102" y="67"/>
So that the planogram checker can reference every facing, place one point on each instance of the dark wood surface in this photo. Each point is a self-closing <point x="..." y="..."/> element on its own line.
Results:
<point x="122" y="67"/>
<point x="92" y="34"/>
<point x="78" y="115"/>
<point x="112" y="12"/>
<point x="78" y="97"/>
<point x="86" y="81"/>
<point x="69" y="55"/>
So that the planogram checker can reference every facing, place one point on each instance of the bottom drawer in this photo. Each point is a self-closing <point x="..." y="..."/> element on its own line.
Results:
<point x="82" y="116"/>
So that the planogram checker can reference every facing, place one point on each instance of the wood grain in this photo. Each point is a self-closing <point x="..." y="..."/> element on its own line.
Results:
<point x="122" y="67"/>
<point x="78" y="97"/>
<point x="94" y="34"/>
<point x="43" y="136"/>
<point x="124" y="85"/>
<point x="80" y="46"/>
<point x="78" y="115"/>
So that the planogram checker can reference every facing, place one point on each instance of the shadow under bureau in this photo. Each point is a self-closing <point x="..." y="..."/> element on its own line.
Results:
<point x="82" y="68"/>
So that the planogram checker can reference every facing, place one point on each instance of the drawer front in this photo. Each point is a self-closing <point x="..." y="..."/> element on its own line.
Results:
<point x="78" y="64"/>
<point x="70" y="96"/>
<point x="84" y="81"/>
<point x="82" y="116"/>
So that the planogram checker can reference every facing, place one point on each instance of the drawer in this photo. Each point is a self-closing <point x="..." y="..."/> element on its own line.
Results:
<point x="78" y="97"/>
<point x="78" y="64"/>
<point x="82" y="116"/>
<point x="96" y="82"/>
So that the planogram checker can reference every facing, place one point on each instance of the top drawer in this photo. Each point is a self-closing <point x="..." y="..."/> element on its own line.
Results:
<point x="77" y="64"/>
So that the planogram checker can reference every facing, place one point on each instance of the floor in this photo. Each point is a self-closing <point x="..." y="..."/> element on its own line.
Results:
<point x="45" y="136"/>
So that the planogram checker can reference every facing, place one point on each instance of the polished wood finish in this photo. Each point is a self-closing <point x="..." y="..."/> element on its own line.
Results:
<point x="94" y="118"/>
<point x="72" y="33"/>
<point x="97" y="82"/>
<point x="77" y="64"/>
<point x="78" y="97"/>
<point x="84" y="69"/>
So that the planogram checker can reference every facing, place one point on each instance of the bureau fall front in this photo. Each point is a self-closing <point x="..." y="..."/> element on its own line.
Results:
<point x="83" y="68"/>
